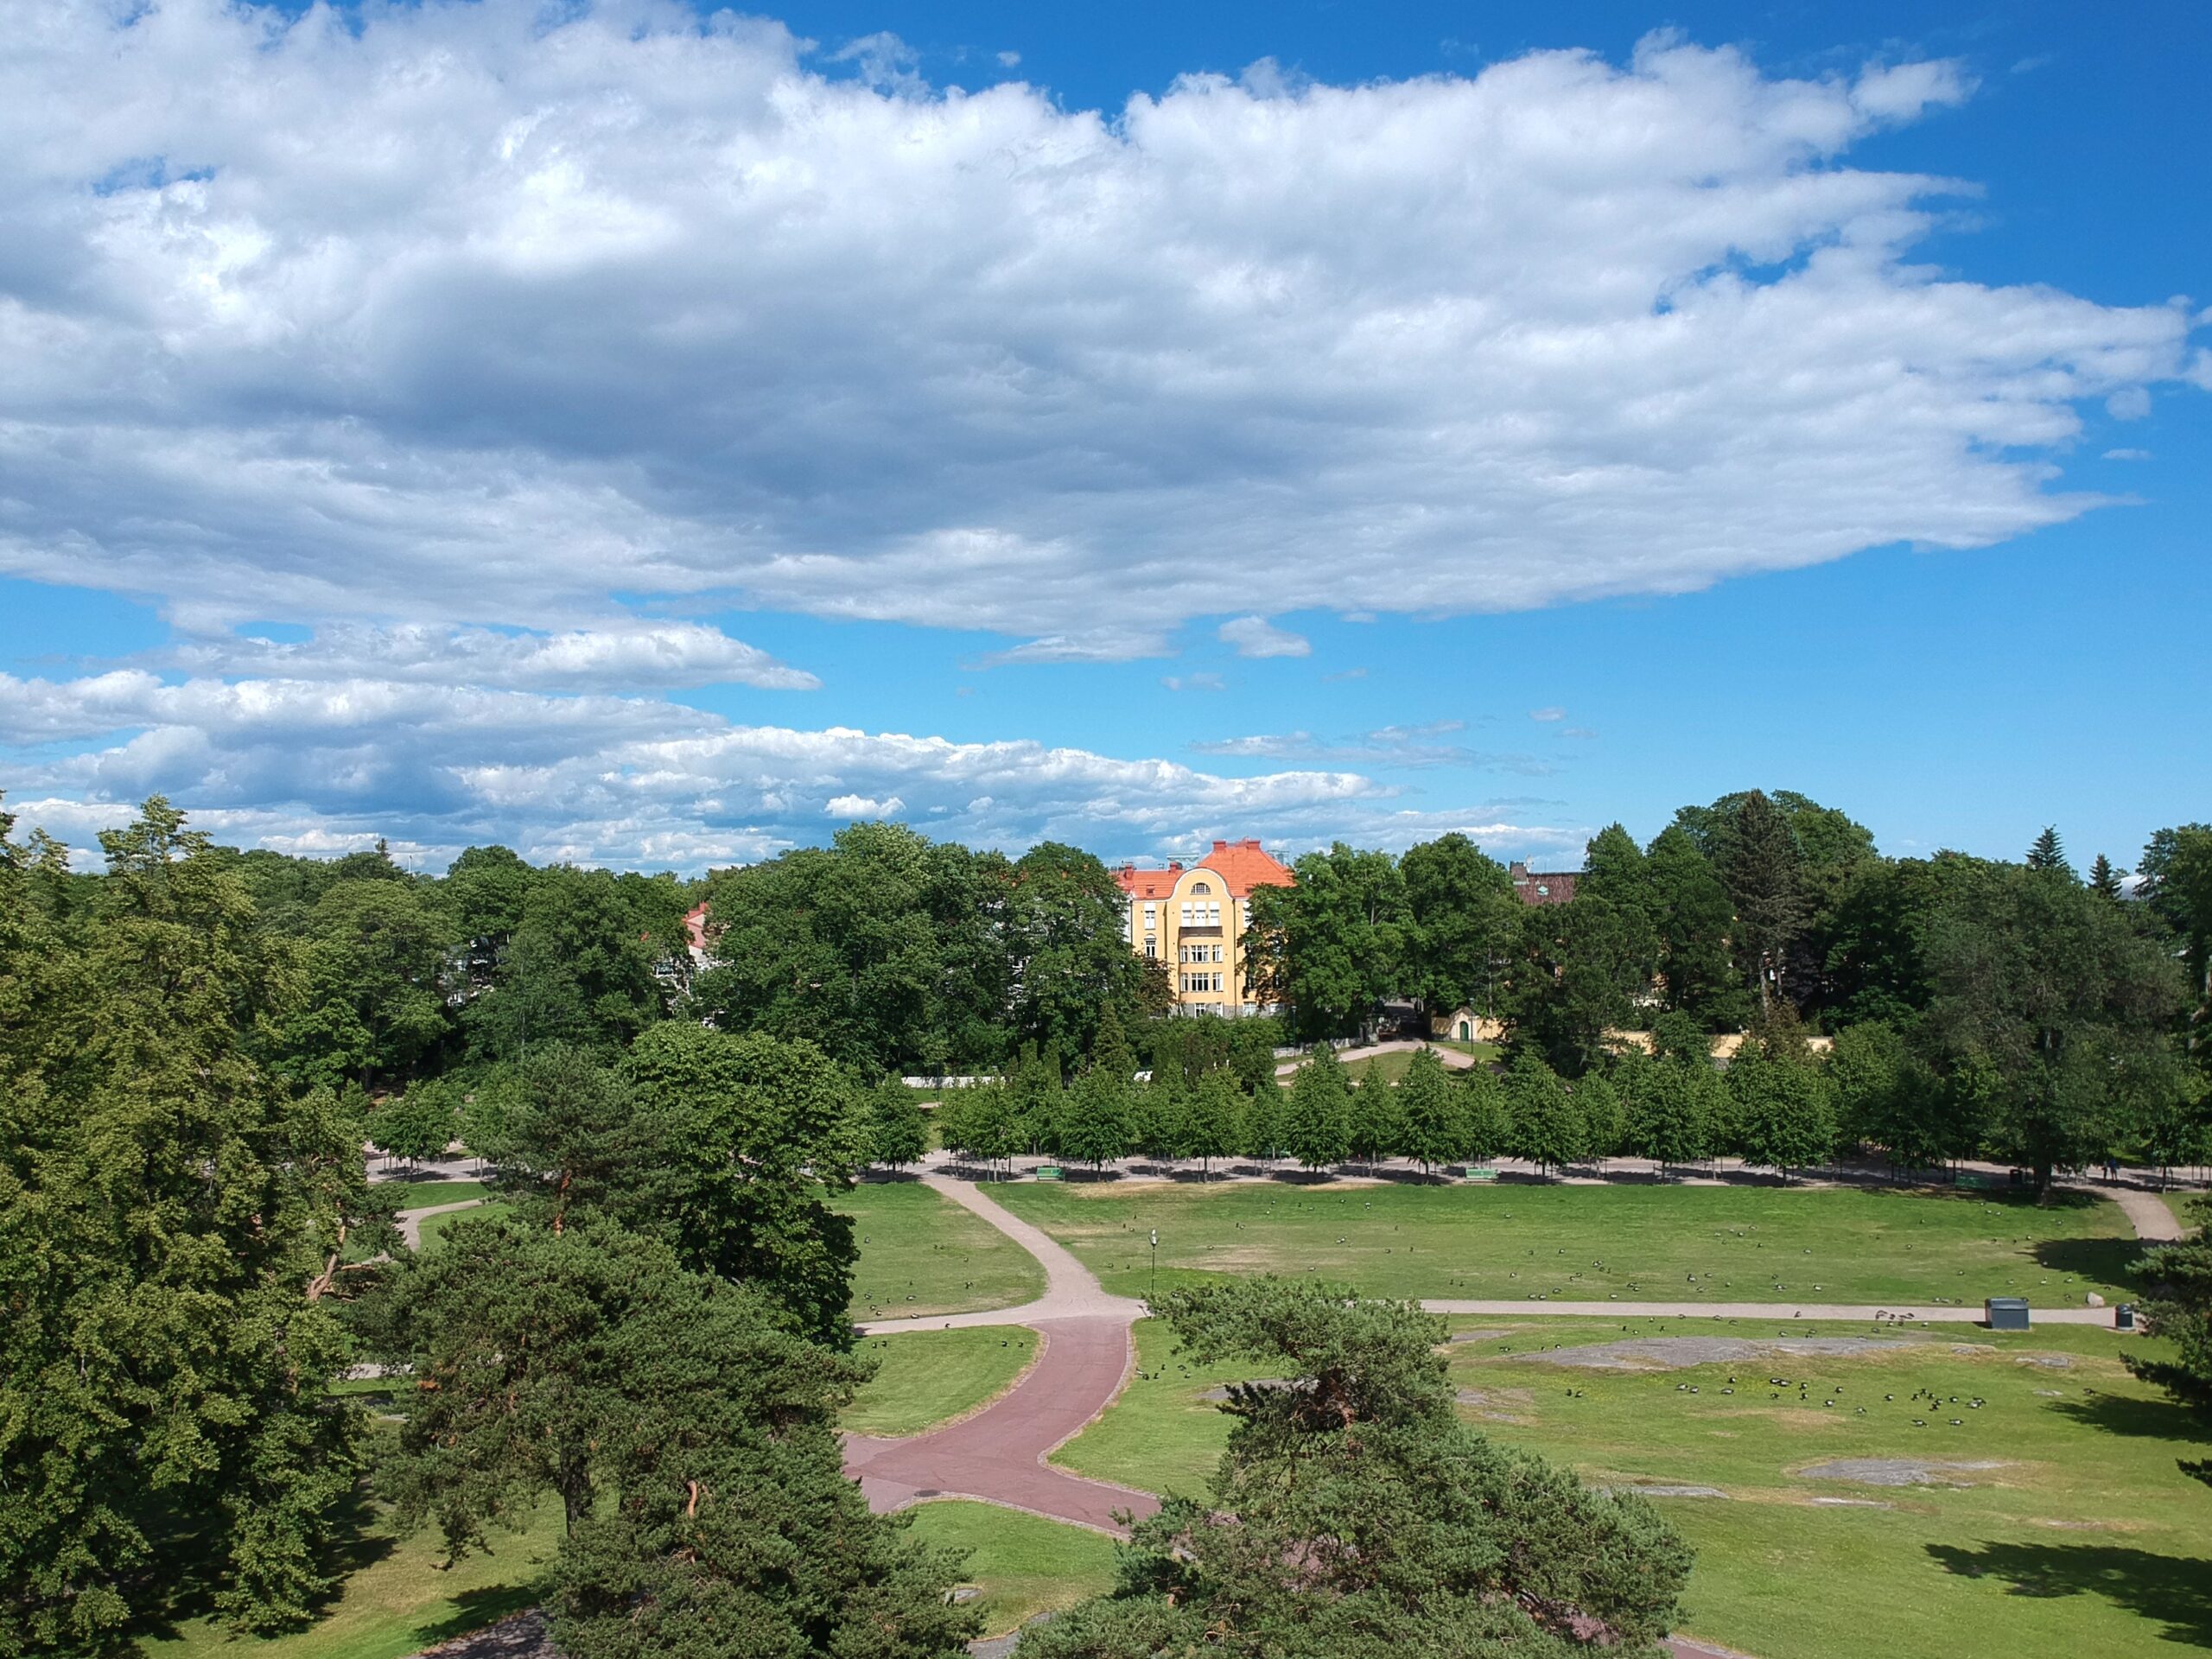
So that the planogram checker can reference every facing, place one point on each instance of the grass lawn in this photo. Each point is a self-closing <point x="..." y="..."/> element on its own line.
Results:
<point x="1022" y="1563"/>
<point x="434" y="1227"/>
<point x="927" y="1376"/>
<point x="2183" y="1204"/>
<point x="2086" y="1539"/>
<point x="397" y="1600"/>
<point x="922" y="1254"/>
<point x="420" y="1195"/>
<point x="1718" y="1244"/>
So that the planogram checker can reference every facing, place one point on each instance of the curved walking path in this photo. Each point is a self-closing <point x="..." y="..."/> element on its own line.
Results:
<point x="1452" y="1059"/>
<point x="998" y="1454"/>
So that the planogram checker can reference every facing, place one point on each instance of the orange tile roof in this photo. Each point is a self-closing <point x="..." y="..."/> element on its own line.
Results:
<point x="1243" y="866"/>
<point x="1147" y="884"/>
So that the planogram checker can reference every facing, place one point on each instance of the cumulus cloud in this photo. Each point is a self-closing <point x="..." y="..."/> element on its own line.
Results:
<point x="492" y="315"/>
<point x="1255" y="636"/>
<point x="322" y="765"/>
<point x="1546" y="714"/>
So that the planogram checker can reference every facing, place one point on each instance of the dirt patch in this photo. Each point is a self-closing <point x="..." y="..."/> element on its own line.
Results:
<point x="2046" y="1362"/>
<point x="1896" y="1471"/>
<point x="1496" y="1396"/>
<point x="1678" y="1353"/>
<point x="1670" y="1491"/>
<point x="1850" y="1504"/>
<point x="1220" y="1394"/>
<point x="1477" y="1336"/>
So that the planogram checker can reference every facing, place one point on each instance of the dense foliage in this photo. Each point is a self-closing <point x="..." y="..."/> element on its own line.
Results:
<point x="1354" y="1516"/>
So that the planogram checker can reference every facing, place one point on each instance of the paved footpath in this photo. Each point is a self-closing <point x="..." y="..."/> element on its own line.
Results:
<point x="998" y="1454"/>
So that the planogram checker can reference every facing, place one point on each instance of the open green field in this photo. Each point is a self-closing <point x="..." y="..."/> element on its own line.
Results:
<point x="1582" y="1242"/>
<point x="434" y="1227"/>
<point x="397" y="1600"/>
<point x="2183" y="1205"/>
<point x="419" y="1195"/>
<point x="922" y="1254"/>
<point x="2081" y="1538"/>
<point x="1023" y="1563"/>
<point x="931" y="1376"/>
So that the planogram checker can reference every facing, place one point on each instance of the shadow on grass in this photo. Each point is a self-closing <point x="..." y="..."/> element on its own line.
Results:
<point x="2106" y="1261"/>
<point x="2138" y="1418"/>
<point x="2171" y="1589"/>
<point x="478" y="1608"/>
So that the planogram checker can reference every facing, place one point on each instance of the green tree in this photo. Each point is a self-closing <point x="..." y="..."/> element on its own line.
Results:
<point x="372" y="1006"/>
<point x="751" y="1136"/>
<point x="1692" y="917"/>
<point x="2181" y="1314"/>
<point x="689" y="1435"/>
<point x="579" y="968"/>
<point x="1097" y="1128"/>
<point x="1371" y="1119"/>
<point x="1315" y="1128"/>
<point x="419" y="1124"/>
<point x="1604" y="1123"/>
<point x="2053" y="988"/>
<point x="1403" y="1529"/>
<point x="1335" y="943"/>
<point x="1264" y="1115"/>
<point x="2175" y="880"/>
<point x="898" y="1129"/>
<point x="1212" y="1125"/>
<point x="1669" y="1108"/>
<point x="1547" y="1130"/>
<point x="1462" y="922"/>
<point x="172" y="1224"/>
<point x="2047" y="853"/>
<point x="1782" y="1112"/>
<point x="1432" y="1118"/>
<point x="1585" y="968"/>
<point x="1487" y="1115"/>
<point x="574" y="1142"/>
<point x="1069" y="953"/>
<point x="2105" y="879"/>
<point x="1761" y="868"/>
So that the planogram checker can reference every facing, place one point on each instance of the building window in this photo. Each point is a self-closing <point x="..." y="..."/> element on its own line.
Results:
<point x="1200" y="886"/>
<point x="1151" y="917"/>
<point x="1151" y="949"/>
<point x="1213" y="915"/>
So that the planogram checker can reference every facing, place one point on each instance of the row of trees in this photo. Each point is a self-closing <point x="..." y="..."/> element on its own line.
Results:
<point x="2014" y="1009"/>
<point x="1776" y="1106"/>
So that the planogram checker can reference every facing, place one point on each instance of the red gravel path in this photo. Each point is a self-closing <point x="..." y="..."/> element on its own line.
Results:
<point x="998" y="1455"/>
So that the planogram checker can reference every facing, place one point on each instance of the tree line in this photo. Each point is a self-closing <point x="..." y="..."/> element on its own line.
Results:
<point x="2017" y="1009"/>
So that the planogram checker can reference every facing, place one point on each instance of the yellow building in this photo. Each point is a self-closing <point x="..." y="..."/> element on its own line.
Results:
<point x="1194" y="920"/>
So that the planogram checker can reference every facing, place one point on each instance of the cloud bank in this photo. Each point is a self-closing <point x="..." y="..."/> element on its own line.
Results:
<point x="477" y="340"/>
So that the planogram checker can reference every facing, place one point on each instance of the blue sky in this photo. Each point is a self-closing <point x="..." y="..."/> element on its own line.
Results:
<point x="655" y="442"/>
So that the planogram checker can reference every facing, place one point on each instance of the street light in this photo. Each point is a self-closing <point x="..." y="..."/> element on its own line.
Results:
<point x="1154" y="1298"/>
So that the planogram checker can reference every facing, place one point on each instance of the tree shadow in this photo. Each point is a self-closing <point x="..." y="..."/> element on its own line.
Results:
<point x="478" y="1608"/>
<point x="2135" y="1417"/>
<point x="2173" y="1589"/>
<point x="2107" y="1261"/>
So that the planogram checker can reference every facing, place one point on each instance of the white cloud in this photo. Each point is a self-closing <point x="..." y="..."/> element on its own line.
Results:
<point x="2126" y="455"/>
<point x="1547" y="714"/>
<point x="493" y="316"/>
<point x="626" y="655"/>
<point x="1389" y="746"/>
<point x="1255" y="636"/>
<point x="325" y="764"/>
<point x="2128" y="403"/>
<point x="1204" y="680"/>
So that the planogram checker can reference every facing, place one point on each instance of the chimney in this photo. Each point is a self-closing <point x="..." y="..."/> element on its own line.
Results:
<point x="1221" y="846"/>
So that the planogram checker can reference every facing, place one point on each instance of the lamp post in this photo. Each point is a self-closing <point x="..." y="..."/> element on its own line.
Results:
<point x="1154" y="1298"/>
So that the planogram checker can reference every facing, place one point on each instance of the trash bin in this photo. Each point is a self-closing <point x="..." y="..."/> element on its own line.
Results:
<point x="2005" y="1312"/>
<point x="2123" y="1316"/>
